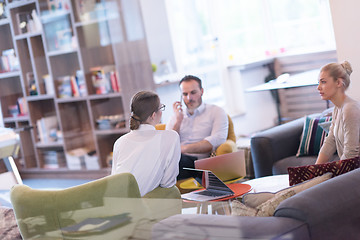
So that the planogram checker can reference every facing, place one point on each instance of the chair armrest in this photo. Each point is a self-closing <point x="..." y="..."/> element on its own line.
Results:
<point x="331" y="209"/>
<point x="274" y="144"/>
<point x="160" y="192"/>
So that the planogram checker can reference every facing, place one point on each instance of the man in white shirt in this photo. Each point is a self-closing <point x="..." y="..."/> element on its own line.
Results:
<point x="202" y="127"/>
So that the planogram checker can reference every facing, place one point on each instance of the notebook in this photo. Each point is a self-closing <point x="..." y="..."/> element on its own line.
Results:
<point x="226" y="167"/>
<point x="214" y="187"/>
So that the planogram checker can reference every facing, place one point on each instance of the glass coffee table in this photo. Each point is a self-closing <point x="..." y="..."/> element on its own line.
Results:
<point x="269" y="183"/>
<point x="264" y="184"/>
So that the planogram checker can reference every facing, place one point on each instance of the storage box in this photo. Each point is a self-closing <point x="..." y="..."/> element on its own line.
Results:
<point x="75" y="159"/>
<point x="92" y="162"/>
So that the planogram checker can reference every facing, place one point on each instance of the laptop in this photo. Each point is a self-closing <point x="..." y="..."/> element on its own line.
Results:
<point x="214" y="187"/>
<point x="226" y="167"/>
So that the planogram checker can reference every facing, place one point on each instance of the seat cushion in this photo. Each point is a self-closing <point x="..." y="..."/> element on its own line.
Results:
<point x="280" y="167"/>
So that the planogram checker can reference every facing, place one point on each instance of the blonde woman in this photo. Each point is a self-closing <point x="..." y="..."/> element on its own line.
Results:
<point x="344" y="134"/>
<point x="152" y="156"/>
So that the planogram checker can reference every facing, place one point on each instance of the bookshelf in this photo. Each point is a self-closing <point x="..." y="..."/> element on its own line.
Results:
<point x="54" y="49"/>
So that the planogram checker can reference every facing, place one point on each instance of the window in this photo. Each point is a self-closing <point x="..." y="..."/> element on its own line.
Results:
<point x="247" y="29"/>
<point x="208" y="35"/>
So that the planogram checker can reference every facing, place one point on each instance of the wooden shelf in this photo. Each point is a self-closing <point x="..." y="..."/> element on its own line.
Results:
<point x="95" y="21"/>
<point x="101" y="96"/>
<point x="27" y="35"/>
<point x="4" y="21"/>
<point x="111" y="131"/>
<point x="61" y="52"/>
<point x="9" y="74"/>
<point x="17" y="4"/>
<point x="54" y="16"/>
<point x="39" y="97"/>
<point x="58" y="144"/>
<point x="16" y="119"/>
<point x="64" y="173"/>
<point x="70" y="99"/>
<point x="57" y="61"/>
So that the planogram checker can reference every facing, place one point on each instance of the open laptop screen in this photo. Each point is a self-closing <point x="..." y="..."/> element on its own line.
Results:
<point x="208" y="180"/>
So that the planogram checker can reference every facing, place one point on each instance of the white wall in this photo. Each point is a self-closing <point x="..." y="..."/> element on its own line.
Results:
<point x="260" y="109"/>
<point x="346" y="17"/>
<point x="157" y="31"/>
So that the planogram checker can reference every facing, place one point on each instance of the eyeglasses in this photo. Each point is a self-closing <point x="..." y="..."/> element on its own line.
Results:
<point x="162" y="107"/>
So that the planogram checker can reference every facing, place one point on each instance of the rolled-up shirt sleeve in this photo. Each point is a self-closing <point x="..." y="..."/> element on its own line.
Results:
<point x="220" y="128"/>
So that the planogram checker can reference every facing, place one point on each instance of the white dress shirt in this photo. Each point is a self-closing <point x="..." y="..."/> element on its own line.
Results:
<point x="152" y="156"/>
<point x="209" y="122"/>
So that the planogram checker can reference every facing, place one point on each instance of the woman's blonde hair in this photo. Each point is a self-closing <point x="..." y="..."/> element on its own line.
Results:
<point x="143" y="104"/>
<point x="337" y="70"/>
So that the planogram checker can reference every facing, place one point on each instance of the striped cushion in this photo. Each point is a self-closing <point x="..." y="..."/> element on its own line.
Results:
<point x="312" y="137"/>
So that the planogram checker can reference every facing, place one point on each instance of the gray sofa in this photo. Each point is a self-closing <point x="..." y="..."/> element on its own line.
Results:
<point x="274" y="149"/>
<point x="329" y="210"/>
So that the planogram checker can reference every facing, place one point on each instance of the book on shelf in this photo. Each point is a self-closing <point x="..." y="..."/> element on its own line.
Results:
<point x="81" y="83"/>
<point x="56" y="5"/>
<point x="74" y="87"/>
<point x="46" y="127"/>
<point x="50" y="159"/>
<point x="115" y="82"/>
<point x="64" y="87"/>
<point x="22" y="106"/>
<point x="49" y="84"/>
<point x="53" y="159"/>
<point x="9" y="62"/>
<point x="104" y="79"/>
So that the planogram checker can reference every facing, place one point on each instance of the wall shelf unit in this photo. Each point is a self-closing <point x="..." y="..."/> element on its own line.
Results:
<point x="69" y="71"/>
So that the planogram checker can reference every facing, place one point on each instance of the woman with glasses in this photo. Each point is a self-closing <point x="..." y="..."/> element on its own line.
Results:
<point x="152" y="156"/>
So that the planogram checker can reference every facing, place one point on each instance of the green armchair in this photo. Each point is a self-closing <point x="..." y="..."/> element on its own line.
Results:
<point x="46" y="213"/>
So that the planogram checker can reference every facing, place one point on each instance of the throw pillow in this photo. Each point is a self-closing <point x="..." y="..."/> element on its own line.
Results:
<point x="300" y="174"/>
<point x="255" y="199"/>
<point x="325" y="126"/>
<point x="312" y="136"/>
<point x="265" y="209"/>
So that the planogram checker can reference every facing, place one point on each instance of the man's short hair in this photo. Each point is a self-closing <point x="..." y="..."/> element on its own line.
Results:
<point x="189" y="78"/>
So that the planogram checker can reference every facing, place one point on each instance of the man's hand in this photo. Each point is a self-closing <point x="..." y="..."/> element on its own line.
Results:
<point x="177" y="107"/>
<point x="178" y="111"/>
